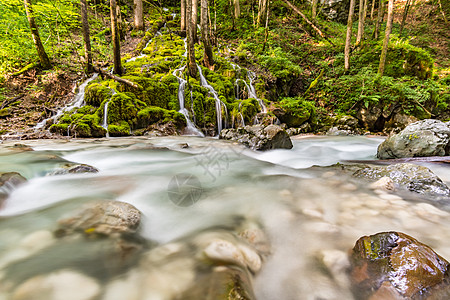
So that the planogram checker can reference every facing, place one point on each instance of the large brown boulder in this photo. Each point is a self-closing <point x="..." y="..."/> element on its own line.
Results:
<point x="393" y="265"/>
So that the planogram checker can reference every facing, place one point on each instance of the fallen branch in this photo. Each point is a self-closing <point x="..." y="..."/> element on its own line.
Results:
<point x="294" y="8"/>
<point x="116" y="78"/>
<point x="9" y="101"/>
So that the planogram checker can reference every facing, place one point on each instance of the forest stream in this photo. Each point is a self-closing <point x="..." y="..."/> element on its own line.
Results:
<point x="200" y="200"/>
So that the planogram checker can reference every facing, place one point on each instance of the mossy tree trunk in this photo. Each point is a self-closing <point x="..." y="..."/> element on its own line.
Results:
<point x="348" y="38"/>
<point x="139" y="15"/>
<point x="191" y="28"/>
<point x="183" y="15"/>
<point x="115" y="38"/>
<point x="379" y="19"/>
<point x="387" y="34"/>
<point x="86" y="36"/>
<point x="361" y="21"/>
<point x="208" y="53"/>
<point x="43" y="57"/>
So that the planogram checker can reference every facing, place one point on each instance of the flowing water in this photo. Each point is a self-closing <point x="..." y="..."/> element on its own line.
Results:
<point x="219" y="103"/>
<point x="310" y="217"/>
<point x="78" y="101"/>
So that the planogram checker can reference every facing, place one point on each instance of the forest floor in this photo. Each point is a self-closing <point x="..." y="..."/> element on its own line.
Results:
<point x="34" y="95"/>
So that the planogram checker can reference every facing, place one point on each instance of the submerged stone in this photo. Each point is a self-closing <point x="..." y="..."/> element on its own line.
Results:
<point x="8" y="181"/>
<point x="102" y="218"/>
<point x="422" y="138"/>
<point x="74" y="169"/>
<point x="259" y="137"/>
<point x="415" y="178"/>
<point x="393" y="265"/>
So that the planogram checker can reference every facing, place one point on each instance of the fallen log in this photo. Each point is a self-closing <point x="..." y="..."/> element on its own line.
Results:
<point x="116" y="78"/>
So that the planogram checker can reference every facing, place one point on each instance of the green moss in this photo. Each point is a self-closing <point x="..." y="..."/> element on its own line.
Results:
<point x="96" y="94"/>
<point x="151" y="115"/>
<point x="295" y="111"/>
<point x="60" y="129"/>
<point x="122" y="107"/>
<point x="81" y="130"/>
<point x="120" y="129"/>
<point x="249" y="108"/>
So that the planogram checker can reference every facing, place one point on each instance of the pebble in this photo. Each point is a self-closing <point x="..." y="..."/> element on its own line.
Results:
<point x="384" y="184"/>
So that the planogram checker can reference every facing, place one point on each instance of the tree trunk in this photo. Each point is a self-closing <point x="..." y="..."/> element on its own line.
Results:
<point x="373" y="9"/>
<point x="348" y="37"/>
<point x="266" y="33"/>
<point x="183" y="15"/>
<point x="43" y="58"/>
<point x="361" y="21"/>
<point x="208" y="54"/>
<point x="139" y="15"/>
<point x="86" y="36"/>
<point x="379" y="19"/>
<point x="314" y="8"/>
<point x="387" y="34"/>
<point x="191" y="28"/>
<point x="237" y="9"/>
<point x="115" y="38"/>
<point x="261" y="11"/>
<point x="195" y="18"/>
<point x="405" y="14"/>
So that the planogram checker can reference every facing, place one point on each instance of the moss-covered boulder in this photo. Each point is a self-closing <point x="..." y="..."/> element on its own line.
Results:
<point x="96" y="93"/>
<point x="393" y="265"/>
<point x="153" y="114"/>
<point x="294" y="111"/>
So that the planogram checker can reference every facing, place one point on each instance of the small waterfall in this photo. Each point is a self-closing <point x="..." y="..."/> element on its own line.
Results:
<point x="141" y="55"/>
<point x="219" y="103"/>
<point x="190" y="128"/>
<point x="105" y="112"/>
<point x="78" y="101"/>
<point x="252" y="92"/>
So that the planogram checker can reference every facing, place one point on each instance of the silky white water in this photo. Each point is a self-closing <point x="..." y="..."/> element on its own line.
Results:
<point x="311" y="216"/>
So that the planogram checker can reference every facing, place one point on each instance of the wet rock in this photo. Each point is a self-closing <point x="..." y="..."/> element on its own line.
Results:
<point x="423" y="138"/>
<point x="415" y="178"/>
<point x="393" y="265"/>
<point x="74" y="169"/>
<point x="335" y="131"/>
<point x="64" y="284"/>
<point x="222" y="283"/>
<point x="8" y="181"/>
<point x="384" y="183"/>
<point x="259" y="137"/>
<point x="102" y="218"/>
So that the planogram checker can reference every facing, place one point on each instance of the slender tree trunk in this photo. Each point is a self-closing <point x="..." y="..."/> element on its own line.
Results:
<point x="373" y="9"/>
<point x="237" y="9"/>
<point x="314" y="8"/>
<point x="405" y="14"/>
<point x="86" y="36"/>
<point x="139" y="15"/>
<point x="183" y="15"/>
<point x="195" y="18"/>
<point x="266" y="34"/>
<point x="387" y="34"/>
<point x="261" y="11"/>
<point x="348" y="38"/>
<point x="208" y="54"/>
<point x="442" y="11"/>
<point x="43" y="57"/>
<point x="115" y="38"/>
<point x="191" y="28"/>
<point x="361" y="21"/>
<point x="379" y="19"/>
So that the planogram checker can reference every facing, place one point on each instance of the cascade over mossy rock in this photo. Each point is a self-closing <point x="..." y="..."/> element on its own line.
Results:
<point x="415" y="178"/>
<point x="259" y="137"/>
<point x="423" y="138"/>
<point x="393" y="265"/>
